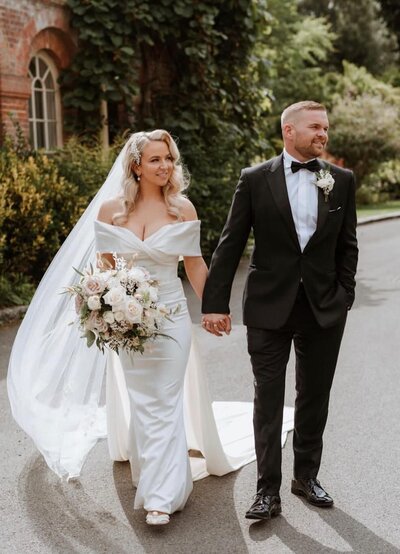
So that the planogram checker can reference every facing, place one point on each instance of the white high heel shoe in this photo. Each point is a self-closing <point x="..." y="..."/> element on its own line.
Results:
<point x="157" y="518"/>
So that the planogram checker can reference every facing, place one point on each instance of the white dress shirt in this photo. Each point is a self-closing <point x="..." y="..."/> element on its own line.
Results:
<point x="303" y="198"/>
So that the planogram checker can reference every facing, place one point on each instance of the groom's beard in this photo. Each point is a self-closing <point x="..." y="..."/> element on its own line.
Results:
<point x="312" y="150"/>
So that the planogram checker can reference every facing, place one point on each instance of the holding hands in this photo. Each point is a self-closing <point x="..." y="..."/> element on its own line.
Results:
<point x="217" y="324"/>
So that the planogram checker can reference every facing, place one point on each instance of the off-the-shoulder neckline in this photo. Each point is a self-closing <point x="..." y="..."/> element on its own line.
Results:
<point x="152" y="234"/>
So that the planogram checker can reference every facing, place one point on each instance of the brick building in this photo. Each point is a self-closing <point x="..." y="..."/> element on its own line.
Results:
<point x="36" y="42"/>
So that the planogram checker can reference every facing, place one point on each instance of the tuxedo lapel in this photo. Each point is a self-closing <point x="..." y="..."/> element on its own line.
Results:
<point x="277" y="183"/>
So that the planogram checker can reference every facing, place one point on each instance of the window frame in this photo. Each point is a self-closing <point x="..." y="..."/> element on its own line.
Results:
<point x="32" y="119"/>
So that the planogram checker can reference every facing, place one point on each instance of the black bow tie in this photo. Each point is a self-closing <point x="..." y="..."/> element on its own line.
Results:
<point x="312" y="165"/>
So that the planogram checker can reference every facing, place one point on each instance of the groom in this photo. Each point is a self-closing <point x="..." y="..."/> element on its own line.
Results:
<point x="299" y="288"/>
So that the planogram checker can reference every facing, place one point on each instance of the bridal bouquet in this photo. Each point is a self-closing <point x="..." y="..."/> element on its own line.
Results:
<point x="119" y="308"/>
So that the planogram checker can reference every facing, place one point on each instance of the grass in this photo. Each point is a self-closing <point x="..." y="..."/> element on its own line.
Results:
<point x="378" y="209"/>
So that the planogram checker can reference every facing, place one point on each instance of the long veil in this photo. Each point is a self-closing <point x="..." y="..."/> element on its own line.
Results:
<point x="54" y="381"/>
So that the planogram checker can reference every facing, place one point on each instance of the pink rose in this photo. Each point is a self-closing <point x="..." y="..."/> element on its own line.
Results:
<point x="93" y="284"/>
<point x="95" y="322"/>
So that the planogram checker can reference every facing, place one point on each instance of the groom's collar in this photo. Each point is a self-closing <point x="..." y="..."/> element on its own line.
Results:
<point x="288" y="159"/>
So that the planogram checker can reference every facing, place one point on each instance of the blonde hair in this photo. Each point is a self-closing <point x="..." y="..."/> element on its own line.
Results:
<point x="306" y="105"/>
<point x="172" y="191"/>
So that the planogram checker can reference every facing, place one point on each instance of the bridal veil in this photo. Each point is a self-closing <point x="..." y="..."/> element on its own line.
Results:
<point x="54" y="381"/>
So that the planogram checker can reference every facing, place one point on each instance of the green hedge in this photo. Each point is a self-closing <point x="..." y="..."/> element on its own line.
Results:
<point x="38" y="208"/>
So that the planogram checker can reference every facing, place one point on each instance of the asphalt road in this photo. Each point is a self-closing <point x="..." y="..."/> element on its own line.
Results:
<point x="41" y="514"/>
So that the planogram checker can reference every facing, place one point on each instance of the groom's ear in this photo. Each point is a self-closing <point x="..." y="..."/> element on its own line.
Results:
<point x="288" y="130"/>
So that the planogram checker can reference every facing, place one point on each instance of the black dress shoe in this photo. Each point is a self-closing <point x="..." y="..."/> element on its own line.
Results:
<point x="265" y="506"/>
<point x="313" y="492"/>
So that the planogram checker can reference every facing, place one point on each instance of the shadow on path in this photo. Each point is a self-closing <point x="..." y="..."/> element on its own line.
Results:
<point x="361" y="539"/>
<point x="64" y="517"/>
<point x="67" y="519"/>
<point x="208" y="523"/>
<point x="369" y="293"/>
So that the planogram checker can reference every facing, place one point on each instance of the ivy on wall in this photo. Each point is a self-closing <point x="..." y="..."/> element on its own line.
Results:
<point x="189" y="67"/>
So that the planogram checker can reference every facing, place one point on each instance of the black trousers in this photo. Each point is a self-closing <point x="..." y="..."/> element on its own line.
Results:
<point x="316" y="352"/>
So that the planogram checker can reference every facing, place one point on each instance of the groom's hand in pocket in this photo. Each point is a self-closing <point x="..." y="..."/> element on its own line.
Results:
<point x="217" y="324"/>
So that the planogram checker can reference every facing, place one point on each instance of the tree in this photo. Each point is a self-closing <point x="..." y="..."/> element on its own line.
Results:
<point x="391" y="13"/>
<point x="298" y="48"/>
<point x="363" y="35"/>
<point x="365" y="119"/>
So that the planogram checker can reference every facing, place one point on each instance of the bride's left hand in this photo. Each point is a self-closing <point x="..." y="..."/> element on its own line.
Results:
<point x="217" y="324"/>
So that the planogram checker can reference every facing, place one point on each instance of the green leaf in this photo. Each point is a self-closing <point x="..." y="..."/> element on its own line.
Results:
<point x="77" y="270"/>
<point x="90" y="338"/>
<point x="128" y="50"/>
<point x="116" y="40"/>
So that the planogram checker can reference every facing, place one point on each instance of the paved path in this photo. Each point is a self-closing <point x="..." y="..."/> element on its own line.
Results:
<point x="40" y="514"/>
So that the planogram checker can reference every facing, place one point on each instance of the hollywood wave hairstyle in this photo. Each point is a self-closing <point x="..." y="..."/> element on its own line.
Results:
<point x="172" y="191"/>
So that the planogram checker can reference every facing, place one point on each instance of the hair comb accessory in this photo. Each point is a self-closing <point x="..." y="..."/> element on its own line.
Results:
<point x="134" y="150"/>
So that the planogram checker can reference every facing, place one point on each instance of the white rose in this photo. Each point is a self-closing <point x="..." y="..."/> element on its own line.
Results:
<point x="137" y="274"/>
<point x="115" y="296"/>
<point x="123" y="275"/>
<point x="118" y="307"/>
<point x="93" y="284"/>
<point x="109" y="317"/>
<point x="133" y="311"/>
<point x="108" y="274"/>
<point x="119" y="316"/>
<point x="326" y="183"/>
<point x="112" y="282"/>
<point x="94" y="302"/>
<point x="143" y="294"/>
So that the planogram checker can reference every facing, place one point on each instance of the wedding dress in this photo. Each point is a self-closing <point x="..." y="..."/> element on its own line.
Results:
<point x="146" y="412"/>
<point x="55" y="382"/>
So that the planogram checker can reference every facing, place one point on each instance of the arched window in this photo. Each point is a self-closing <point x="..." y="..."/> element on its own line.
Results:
<point x="44" y="104"/>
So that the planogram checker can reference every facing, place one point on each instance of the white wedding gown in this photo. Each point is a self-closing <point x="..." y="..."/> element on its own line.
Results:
<point x="158" y="406"/>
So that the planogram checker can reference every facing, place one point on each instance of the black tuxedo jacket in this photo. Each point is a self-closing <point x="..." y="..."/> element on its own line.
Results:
<point x="327" y="265"/>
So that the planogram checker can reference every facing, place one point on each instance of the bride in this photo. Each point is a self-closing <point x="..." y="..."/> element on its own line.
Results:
<point x="153" y="219"/>
<point x="157" y="403"/>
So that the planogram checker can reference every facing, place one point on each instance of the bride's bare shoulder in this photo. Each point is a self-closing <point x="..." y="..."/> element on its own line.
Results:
<point x="109" y="208"/>
<point x="187" y="209"/>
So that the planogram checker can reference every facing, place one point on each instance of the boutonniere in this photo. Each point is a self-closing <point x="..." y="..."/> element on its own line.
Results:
<point x="325" y="181"/>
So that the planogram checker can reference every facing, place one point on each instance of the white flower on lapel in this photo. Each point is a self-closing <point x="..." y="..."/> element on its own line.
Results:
<point x="325" y="181"/>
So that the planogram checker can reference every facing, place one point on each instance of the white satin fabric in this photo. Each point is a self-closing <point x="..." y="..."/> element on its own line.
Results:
<point x="158" y="405"/>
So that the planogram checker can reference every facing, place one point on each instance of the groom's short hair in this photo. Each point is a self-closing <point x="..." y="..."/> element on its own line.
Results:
<point x="306" y="105"/>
